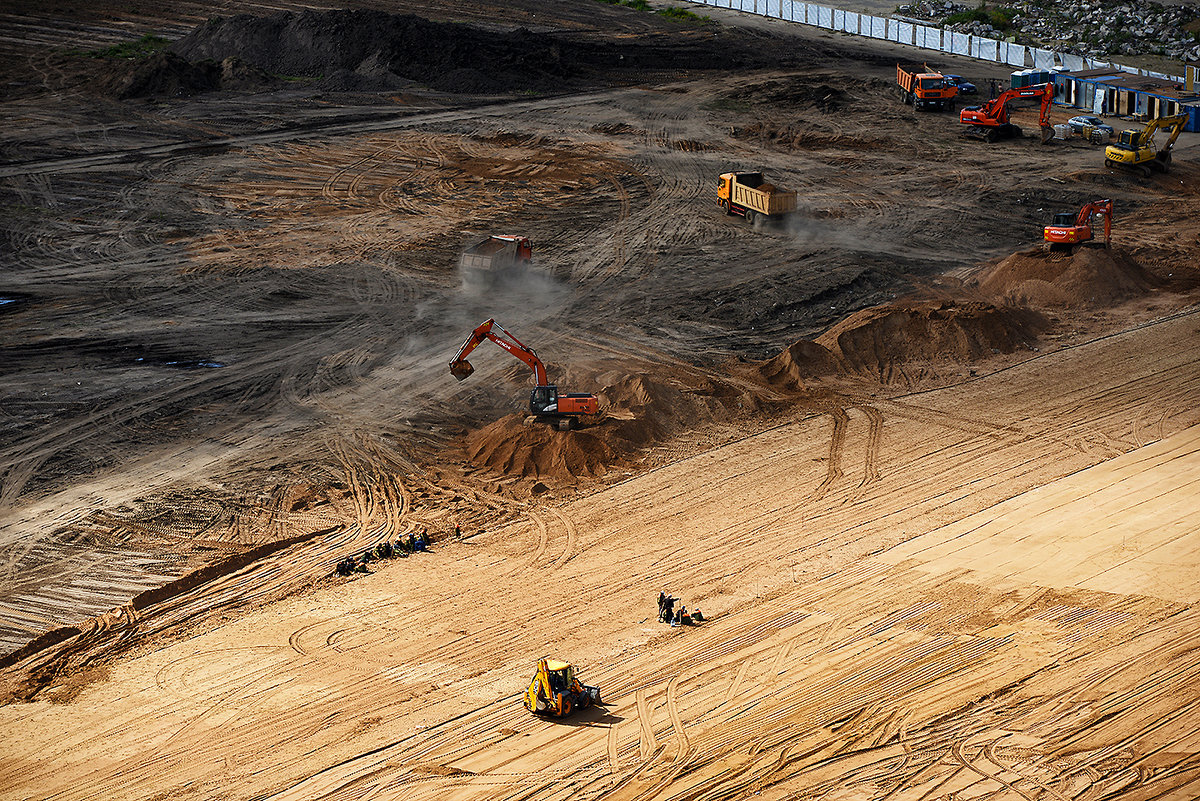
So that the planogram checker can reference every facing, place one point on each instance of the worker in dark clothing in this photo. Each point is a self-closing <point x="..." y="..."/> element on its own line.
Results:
<point x="667" y="612"/>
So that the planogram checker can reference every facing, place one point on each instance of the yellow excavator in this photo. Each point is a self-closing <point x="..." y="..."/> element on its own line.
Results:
<point x="555" y="691"/>
<point x="1135" y="149"/>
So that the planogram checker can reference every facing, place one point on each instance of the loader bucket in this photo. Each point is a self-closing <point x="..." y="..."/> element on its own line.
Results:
<point x="461" y="369"/>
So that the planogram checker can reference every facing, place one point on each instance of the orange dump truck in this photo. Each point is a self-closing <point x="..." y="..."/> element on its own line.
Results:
<point x="748" y="194"/>
<point x="923" y="88"/>
<point x="496" y="252"/>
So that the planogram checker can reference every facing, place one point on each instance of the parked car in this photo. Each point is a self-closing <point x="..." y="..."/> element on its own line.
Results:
<point x="965" y="87"/>
<point x="1085" y="124"/>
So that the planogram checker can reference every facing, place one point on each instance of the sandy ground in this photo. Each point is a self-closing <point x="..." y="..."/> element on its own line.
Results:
<point x="931" y="486"/>
<point x="1017" y="646"/>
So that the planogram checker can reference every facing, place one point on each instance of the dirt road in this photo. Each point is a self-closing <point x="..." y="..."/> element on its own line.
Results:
<point x="931" y="485"/>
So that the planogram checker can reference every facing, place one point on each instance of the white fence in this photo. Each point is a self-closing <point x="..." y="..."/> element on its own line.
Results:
<point x="923" y="36"/>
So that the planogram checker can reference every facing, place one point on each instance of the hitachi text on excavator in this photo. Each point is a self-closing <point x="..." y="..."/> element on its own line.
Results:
<point x="545" y="401"/>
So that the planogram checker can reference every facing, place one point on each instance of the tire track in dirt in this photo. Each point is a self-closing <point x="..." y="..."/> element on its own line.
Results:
<point x="571" y="549"/>
<point x="837" y="441"/>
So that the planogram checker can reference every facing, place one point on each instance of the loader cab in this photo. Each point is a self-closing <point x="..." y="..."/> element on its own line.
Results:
<point x="560" y="675"/>
<point x="543" y="399"/>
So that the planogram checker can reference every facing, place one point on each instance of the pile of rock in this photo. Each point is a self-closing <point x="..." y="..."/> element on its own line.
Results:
<point x="1097" y="28"/>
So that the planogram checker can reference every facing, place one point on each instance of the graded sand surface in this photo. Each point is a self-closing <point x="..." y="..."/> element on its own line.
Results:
<point x="968" y="656"/>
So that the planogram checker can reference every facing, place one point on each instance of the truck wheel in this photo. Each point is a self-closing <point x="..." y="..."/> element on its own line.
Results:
<point x="750" y="216"/>
<point x="724" y="204"/>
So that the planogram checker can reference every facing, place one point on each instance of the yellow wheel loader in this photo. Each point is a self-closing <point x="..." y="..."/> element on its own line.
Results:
<point x="555" y="691"/>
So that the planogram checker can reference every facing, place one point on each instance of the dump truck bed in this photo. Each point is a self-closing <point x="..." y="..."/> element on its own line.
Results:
<point x="749" y="190"/>
<point x="495" y="252"/>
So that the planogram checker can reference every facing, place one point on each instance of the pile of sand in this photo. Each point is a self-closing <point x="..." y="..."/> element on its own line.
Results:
<point x="877" y="340"/>
<point x="510" y="447"/>
<point x="1089" y="278"/>
<point x="638" y="411"/>
<point x="797" y="363"/>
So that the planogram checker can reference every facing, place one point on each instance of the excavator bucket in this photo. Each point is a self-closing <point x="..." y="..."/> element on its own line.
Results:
<point x="461" y="369"/>
<point x="1047" y="134"/>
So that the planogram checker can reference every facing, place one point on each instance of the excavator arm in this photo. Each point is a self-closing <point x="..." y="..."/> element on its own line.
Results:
<point x="1175" y="123"/>
<point x="461" y="369"/>
<point x="1103" y="208"/>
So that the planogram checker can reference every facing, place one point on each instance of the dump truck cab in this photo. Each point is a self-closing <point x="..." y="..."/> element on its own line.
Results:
<point x="924" y="88"/>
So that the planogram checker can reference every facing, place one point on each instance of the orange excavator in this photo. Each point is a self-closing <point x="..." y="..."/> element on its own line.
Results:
<point x="1069" y="230"/>
<point x="990" y="121"/>
<point x="545" y="402"/>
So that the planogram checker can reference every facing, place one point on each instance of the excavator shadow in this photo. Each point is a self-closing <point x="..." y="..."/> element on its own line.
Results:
<point x="592" y="716"/>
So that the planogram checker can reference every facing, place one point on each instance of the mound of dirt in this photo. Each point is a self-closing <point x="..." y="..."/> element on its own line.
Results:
<point x="640" y="411"/>
<point x="382" y="46"/>
<point x="797" y="363"/>
<point x="1089" y="278"/>
<point x="882" y="338"/>
<point x="162" y="74"/>
<point x="798" y="92"/>
<point x="509" y="446"/>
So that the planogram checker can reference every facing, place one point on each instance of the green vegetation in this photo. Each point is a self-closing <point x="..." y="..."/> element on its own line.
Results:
<point x="671" y="12"/>
<point x="998" y="18"/>
<point x="683" y="15"/>
<point x="145" y="47"/>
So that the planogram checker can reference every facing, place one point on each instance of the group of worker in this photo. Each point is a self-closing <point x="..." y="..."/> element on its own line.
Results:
<point x="667" y="613"/>
<point x="403" y="547"/>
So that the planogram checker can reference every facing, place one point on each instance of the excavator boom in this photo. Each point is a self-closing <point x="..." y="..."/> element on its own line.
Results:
<point x="461" y="369"/>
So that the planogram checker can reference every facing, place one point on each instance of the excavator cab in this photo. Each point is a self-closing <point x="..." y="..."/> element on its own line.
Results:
<point x="1064" y="218"/>
<point x="543" y="400"/>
